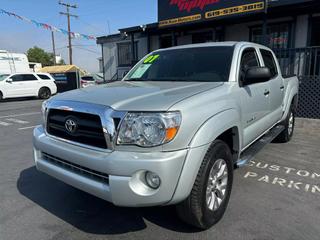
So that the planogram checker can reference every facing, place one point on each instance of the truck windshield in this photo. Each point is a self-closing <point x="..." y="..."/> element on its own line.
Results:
<point x="201" y="64"/>
<point x="3" y="76"/>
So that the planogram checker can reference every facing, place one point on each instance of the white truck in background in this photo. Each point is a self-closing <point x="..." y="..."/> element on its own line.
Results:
<point x="13" y="62"/>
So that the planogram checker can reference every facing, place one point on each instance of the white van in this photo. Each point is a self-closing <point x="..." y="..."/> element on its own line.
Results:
<point x="13" y="62"/>
<point x="40" y="85"/>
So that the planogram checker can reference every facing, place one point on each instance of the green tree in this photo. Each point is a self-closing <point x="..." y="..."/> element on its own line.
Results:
<point x="37" y="54"/>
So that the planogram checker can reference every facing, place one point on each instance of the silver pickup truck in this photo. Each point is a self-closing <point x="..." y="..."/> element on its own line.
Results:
<point x="173" y="130"/>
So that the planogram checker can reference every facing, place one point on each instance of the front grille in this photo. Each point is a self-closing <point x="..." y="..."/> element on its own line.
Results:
<point x="89" y="128"/>
<point x="75" y="168"/>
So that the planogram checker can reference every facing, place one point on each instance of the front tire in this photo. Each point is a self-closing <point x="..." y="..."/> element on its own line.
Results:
<point x="210" y="194"/>
<point x="44" y="93"/>
<point x="1" y="96"/>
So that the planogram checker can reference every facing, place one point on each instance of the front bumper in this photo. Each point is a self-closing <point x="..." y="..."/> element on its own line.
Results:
<point x="126" y="185"/>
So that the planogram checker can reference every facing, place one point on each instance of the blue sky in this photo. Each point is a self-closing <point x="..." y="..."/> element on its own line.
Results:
<point x="94" y="15"/>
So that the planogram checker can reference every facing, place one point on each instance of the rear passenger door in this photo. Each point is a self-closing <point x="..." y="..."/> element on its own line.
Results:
<point x="276" y="86"/>
<point x="254" y="100"/>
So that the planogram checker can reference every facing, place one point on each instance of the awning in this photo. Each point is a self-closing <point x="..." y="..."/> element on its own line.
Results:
<point x="62" y="69"/>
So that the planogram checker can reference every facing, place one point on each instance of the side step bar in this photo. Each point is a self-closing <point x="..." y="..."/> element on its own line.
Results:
<point x="257" y="146"/>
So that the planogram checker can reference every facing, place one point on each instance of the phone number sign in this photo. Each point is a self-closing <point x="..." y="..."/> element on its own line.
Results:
<point x="173" y="12"/>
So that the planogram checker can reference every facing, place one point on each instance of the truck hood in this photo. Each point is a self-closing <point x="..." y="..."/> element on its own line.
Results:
<point x="138" y="96"/>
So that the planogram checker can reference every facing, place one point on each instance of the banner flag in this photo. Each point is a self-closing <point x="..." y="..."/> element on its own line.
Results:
<point x="47" y="26"/>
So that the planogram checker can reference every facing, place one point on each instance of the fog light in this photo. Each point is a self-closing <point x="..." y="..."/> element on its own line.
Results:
<point x="153" y="180"/>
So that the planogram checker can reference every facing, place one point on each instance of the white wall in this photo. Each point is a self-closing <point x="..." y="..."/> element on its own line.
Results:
<point x="110" y="59"/>
<point x="301" y="31"/>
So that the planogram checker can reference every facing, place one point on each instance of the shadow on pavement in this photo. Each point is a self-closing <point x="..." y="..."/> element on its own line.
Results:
<point x="21" y="99"/>
<point x="91" y="214"/>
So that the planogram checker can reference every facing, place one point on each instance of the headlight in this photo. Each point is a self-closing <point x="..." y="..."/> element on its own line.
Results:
<point x="149" y="129"/>
<point x="44" y="108"/>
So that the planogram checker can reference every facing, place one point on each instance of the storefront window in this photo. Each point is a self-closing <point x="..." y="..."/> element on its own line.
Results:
<point x="124" y="53"/>
<point x="202" y="37"/>
<point x="278" y="35"/>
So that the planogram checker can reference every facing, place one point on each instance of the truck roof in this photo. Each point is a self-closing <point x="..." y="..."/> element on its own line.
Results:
<point x="214" y="44"/>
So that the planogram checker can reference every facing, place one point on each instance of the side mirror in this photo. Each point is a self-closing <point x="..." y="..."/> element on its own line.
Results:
<point x="256" y="75"/>
<point x="9" y="80"/>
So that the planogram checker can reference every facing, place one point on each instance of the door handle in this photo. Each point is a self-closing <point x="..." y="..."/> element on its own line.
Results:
<point x="266" y="93"/>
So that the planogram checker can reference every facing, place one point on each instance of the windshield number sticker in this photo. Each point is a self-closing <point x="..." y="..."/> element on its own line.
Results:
<point x="151" y="59"/>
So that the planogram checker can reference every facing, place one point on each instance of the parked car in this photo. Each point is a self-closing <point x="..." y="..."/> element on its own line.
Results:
<point x="91" y="80"/>
<point x="40" y="85"/>
<point x="173" y="130"/>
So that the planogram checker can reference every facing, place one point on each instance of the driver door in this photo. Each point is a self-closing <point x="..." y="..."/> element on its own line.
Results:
<point x="13" y="85"/>
<point x="255" y="102"/>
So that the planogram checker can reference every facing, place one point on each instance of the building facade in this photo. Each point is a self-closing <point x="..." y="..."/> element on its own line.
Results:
<point x="290" y="27"/>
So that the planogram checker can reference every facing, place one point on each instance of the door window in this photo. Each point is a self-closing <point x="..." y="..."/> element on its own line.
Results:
<point x="249" y="59"/>
<point x="29" y="77"/>
<point x="17" y="78"/>
<point x="23" y="77"/>
<point x="269" y="62"/>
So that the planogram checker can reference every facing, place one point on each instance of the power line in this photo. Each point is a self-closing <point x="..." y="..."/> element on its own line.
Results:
<point x="68" y="14"/>
<point x="88" y="50"/>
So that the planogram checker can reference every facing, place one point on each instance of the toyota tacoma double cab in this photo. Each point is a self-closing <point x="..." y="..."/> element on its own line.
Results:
<point x="173" y="130"/>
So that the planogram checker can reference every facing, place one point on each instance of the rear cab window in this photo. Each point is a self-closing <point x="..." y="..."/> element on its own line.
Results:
<point x="88" y="78"/>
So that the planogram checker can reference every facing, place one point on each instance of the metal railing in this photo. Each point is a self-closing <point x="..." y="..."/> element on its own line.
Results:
<point x="299" y="61"/>
<point x="305" y="63"/>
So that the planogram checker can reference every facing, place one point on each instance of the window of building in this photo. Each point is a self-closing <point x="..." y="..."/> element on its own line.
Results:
<point x="279" y="35"/>
<point x="269" y="61"/>
<point x="166" y="41"/>
<point x="315" y="32"/>
<point x="124" y="53"/>
<point x="202" y="37"/>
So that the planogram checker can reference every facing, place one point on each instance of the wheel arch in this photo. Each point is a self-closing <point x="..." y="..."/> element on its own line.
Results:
<point x="224" y="126"/>
<point x="290" y="97"/>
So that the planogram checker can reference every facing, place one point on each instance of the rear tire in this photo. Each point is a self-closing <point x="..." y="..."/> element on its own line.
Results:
<point x="286" y="135"/>
<point x="210" y="194"/>
<point x="44" y="93"/>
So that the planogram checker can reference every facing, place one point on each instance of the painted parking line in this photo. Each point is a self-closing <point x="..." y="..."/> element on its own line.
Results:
<point x="14" y="120"/>
<point x="18" y="115"/>
<point x="5" y="124"/>
<point x="25" y="128"/>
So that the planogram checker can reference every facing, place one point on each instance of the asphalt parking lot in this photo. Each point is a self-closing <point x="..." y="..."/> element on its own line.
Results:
<point x="276" y="197"/>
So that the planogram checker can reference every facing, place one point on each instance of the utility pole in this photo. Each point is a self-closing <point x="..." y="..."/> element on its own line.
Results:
<point x="53" y="48"/>
<point x="68" y="14"/>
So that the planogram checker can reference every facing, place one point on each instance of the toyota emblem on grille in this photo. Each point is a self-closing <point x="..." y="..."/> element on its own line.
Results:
<point x="71" y="126"/>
